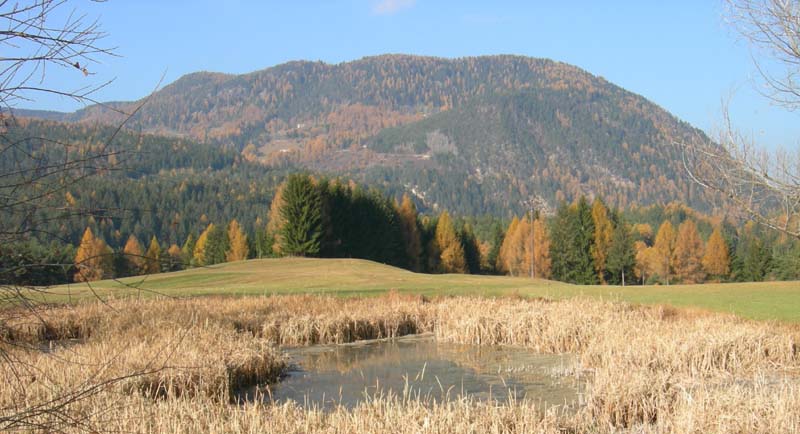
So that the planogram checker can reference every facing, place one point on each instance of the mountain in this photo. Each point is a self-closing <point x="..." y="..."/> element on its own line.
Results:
<point x="472" y="135"/>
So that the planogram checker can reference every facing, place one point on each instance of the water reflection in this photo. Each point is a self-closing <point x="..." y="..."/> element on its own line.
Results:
<point x="420" y="367"/>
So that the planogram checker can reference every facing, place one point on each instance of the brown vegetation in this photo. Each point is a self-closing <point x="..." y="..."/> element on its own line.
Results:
<point x="648" y="369"/>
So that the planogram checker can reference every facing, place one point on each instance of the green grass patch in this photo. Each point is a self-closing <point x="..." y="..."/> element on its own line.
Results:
<point x="352" y="277"/>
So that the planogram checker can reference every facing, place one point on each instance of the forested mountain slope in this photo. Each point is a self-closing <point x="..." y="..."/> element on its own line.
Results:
<point x="472" y="135"/>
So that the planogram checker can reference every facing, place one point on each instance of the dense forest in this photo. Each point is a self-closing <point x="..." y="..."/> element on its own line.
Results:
<point x="476" y="135"/>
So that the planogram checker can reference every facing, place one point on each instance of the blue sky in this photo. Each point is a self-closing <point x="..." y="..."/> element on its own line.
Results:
<point x="679" y="54"/>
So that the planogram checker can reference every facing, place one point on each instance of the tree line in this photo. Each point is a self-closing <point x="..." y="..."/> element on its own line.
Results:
<point x="583" y="243"/>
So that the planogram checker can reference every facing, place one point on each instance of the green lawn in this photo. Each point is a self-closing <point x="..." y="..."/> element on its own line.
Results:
<point x="765" y="300"/>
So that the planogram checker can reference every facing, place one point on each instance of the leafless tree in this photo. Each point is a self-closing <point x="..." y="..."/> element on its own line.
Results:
<point x="36" y="36"/>
<point x="763" y="186"/>
<point x="772" y="27"/>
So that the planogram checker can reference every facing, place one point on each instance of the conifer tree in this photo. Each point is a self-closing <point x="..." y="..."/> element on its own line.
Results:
<point x="175" y="258"/>
<point x="472" y="253"/>
<point x="153" y="257"/>
<point x="585" y="270"/>
<point x="505" y="255"/>
<point x="716" y="261"/>
<point x="187" y="251"/>
<point x="621" y="255"/>
<point x="451" y="256"/>
<point x="302" y="217"/>
<point x="541" y="250"/>
<point x="133" y="256"/>
<point x="201" y="246"/>
<point x="216" y="245"/>
<point x="662" y="253"/>
<point x="688" y="254"/>
<point x="407" y="212"/>
<point x="237" y="239"/>
<point x="275" y="221"/>
<point x="603" y="232"/>
<point x="93" y="259"/>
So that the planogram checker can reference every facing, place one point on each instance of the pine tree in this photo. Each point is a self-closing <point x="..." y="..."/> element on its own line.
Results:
<point x="716" y="261"/>
<point x="302" y="216"/>
<point x="688" y="254"/>
<point x="621" y="255"/>
<point x="153" y="257"/>
<point x="663" y="249"/>
<point x="216" y="245"/>
<point x="133" y="255"/>
<point x="451" y="256"/>
<point x="93" y="259"/>
<point x="237" y="249"/>
<point x="584" y="267"/>
<point x="472" y="253"/>
<point x="407" y="212"/>
<point x="603" y="232"/>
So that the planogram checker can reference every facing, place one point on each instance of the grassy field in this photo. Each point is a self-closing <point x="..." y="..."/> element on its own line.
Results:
<point x="346" y="277"/>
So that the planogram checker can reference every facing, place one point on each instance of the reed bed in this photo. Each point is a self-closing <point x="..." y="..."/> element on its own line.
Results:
<point x="647" y="369"/>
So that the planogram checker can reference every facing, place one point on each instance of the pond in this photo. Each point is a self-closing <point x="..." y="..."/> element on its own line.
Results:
<point x="419" y="367"/>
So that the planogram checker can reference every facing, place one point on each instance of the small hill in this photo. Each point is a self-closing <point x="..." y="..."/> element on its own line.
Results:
<point x="349" y="277"/>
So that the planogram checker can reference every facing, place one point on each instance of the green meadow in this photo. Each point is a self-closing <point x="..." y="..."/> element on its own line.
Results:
<point x="351" y="277"/>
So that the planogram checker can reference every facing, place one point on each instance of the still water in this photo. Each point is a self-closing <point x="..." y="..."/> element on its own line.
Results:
<point x="420" y="367"/>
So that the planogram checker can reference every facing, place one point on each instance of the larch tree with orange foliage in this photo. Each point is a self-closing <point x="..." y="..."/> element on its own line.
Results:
<point x="134" y="256"/>
<point x="153" y="257"/>
<point x="407" y="212"/>
<point x="504" y="255"/>
<point x="93" y="260"/>
<point x="688" y="254"/>
<point x="451" y="256"/>
<point x="716" y="260"/>
<point x="541" y="250"/>
<point x="275" y="220"/>
<point x="660" y="259"/>
<point x="237" y="239"/>
<point x="603" y="232"/>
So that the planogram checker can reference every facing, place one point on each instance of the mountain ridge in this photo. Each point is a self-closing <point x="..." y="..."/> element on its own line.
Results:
<point x="548" y="129"/>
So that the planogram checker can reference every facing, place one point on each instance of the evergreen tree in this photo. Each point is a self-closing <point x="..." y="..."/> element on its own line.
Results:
<point x="237" y="249"/>
<point x="571" y="241"/>
<point x="302" y="216"/>
<point x="187" y="251"/>
<point x="716" y="261"/>
<point x="585" y="269"/>
<point x="216" y="245"/>
<point x="451" y="256"/>
<point x="756" y="261"/>
<point x="688" y="254"/>
<point x="472" y="253"/>
<point x="153" y="257"/>
<point x="621" y="259"/>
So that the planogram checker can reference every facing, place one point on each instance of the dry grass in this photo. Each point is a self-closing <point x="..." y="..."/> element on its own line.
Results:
<point x="648" y="369"/>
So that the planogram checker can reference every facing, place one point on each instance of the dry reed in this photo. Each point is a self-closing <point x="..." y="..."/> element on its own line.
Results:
<point x="648" y="369"/>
